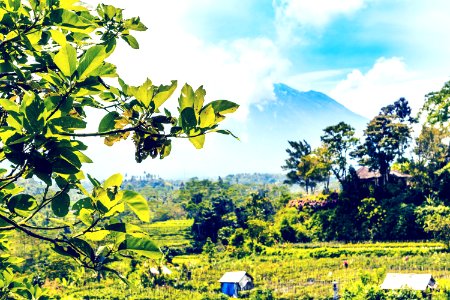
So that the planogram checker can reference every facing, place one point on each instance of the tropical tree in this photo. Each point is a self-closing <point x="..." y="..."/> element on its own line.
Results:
<point x="299" y="150"/>
<point x="53" y="67"/>
<point x="432" y="154"/>
<point x="314" y="168"/>
<point x="339" y="141"/>
<point x="210" y="208"/>
<point x="437" y="106"/>
<point x="259" y="206"/>
<point x="435" y="219"/>
<point x="386" y="138"/>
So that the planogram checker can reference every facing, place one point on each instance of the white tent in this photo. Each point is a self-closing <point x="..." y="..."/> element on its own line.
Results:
<point x="418" y="282"/>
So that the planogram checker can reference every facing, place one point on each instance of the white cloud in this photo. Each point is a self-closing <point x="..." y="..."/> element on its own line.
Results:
<point x="291" y="15"/>
<point x="387" y="81"/>
<point x="323" y="80"/>
<point x="241" y="70"/>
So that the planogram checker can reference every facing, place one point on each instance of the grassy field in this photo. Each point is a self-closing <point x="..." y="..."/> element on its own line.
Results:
<point x="172" y="233"/>
<point x="286" y="272"/>
<point x="289" y="271"/>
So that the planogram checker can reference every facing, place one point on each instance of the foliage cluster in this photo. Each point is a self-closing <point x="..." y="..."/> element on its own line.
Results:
<point x="54" y="73"/>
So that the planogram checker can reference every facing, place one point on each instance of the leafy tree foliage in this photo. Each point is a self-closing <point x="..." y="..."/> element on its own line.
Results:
<point x="432" y="156"/>
<point x="437" y="106"/>
<point x="339" y="141"/>
<point x="386" y="138"/>
<point x="259" y="207"/>
<point x="436" y="220"/>
<point x="300" y="165"/>
<point x="210" y="208"/>
<point x="53" y="67"/>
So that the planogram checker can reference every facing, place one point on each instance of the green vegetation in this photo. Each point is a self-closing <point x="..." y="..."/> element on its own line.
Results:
<point x="53" y="71"/>
<point x="285" y="272"/>
<point x="60" y="236"/>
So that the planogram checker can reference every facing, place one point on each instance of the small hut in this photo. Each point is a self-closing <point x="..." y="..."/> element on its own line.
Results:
<point x="365" y="175"/>
<point x="233" y="282"/>
<point x="417" y="282"/>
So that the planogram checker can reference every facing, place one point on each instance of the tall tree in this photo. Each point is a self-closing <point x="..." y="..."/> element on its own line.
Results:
<point x="53" y="62"/>
<point x="386" y="138"/>
<point x="437" y="106"/>
<point x="437" y="110"/>
<point x="315" y="168"/>
<point x="299" y="150"/>
<point x="339" y="141"/>
<point x="432" y="154"/>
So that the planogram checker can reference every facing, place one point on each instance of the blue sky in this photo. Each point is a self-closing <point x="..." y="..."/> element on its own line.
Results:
<point x="363" y="53"/>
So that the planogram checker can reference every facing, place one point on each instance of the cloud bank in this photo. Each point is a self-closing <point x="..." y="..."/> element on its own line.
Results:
<point x="386" y="81"/>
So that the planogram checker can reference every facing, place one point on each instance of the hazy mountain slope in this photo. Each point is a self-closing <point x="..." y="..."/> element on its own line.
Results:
<point x="300" y="115"/>
<point x="294" y="115"/>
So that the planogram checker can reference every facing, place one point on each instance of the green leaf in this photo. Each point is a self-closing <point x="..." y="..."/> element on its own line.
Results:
<point x="137" y="204"/>
<point x="226" y="132"/>
<point x="143" y="93"/>
<point x="108" y="122"/>
<point x="135" y="24"/>
<point x="66" y="59"/>
<point x="13" y="5"/>
<point x="61" y="204"/>
<point x="164" y="92"/>
<point x="33" y="109"/>
<point x="134" y="243"/>
<point x="109" y="10"/>
<point x="188" y="119"/>
<point x="70" y="20"/>
<point x="207" y="117"/>
<point x="65" y="252"/>
<point x="187" y="97"/>
<point x="66" y="153"/>
<point x="198" y="141"/>
<point x="85" y="203"/>
<point x="22" y="204"/>
<point x="114" y="180"/>
<point x="97" y="236"/>
<point x="84" y="247"/>
<point x="167" y="148"/>
<point x="94" y="181"/>
<point x="59" y="37"/>
<point x="9" y="105"/>
<point x="62" y="166"/>
<point x="82" y="157"/>
<point x="130" y="40"/>
<point x="91" y="60"/>
<point x="85" y="216"/>
<point x="200" y="94"/>
<point x="65" y="105"/>
<point x="42" y="167"/>
<point x="68" y="123"/>
<point x="224" y="106"/>
<point x="105" y="70"/>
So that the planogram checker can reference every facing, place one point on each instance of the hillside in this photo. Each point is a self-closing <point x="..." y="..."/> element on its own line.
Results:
<point x="293" y="115"/>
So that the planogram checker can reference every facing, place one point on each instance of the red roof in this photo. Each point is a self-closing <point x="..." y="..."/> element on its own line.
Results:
<point x="365" y="173"/>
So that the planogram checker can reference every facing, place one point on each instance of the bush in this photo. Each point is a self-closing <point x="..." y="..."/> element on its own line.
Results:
<point x="238" y="238"/>
<point x="288" y="232"/>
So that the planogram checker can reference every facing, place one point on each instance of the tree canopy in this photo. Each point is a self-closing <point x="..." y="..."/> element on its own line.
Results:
<point x="386" y="138"/>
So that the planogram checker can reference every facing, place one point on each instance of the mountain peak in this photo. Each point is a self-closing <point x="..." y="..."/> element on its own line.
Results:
<point x="283" y="91"/>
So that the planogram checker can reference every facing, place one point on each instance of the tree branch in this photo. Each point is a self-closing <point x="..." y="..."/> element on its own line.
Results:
<point x="31" y="233"/>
